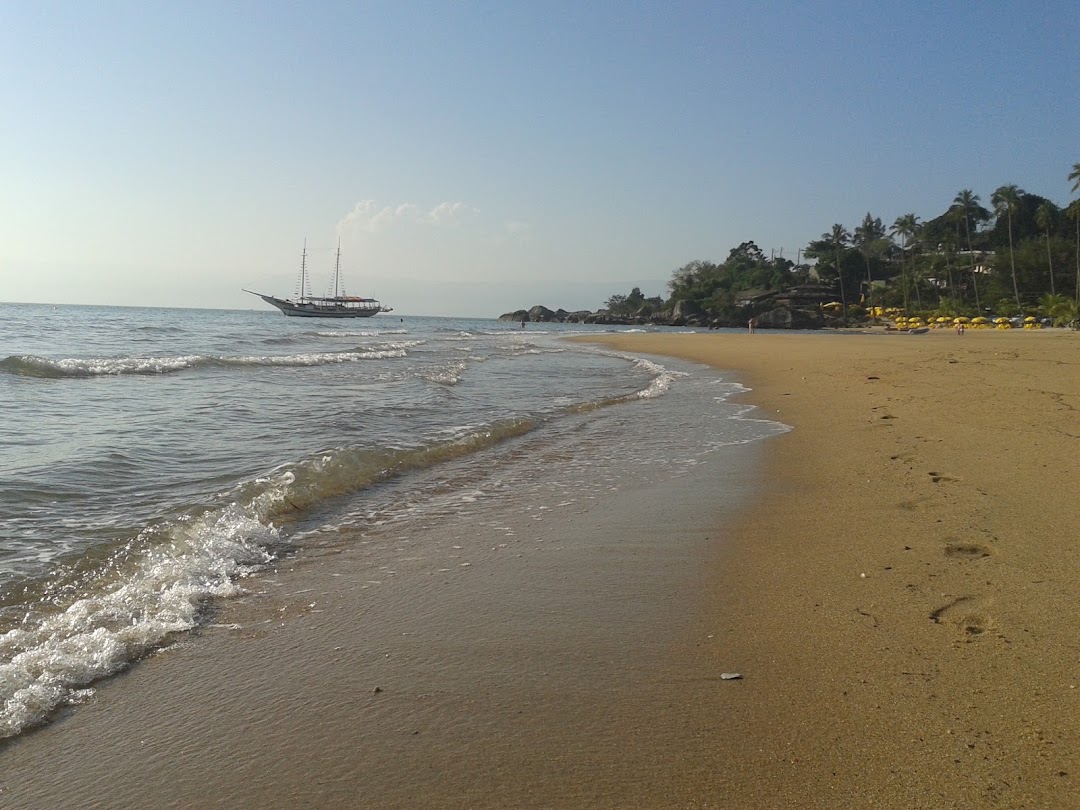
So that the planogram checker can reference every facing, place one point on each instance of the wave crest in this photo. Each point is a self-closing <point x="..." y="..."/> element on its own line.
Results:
<point x="34" y="366"/>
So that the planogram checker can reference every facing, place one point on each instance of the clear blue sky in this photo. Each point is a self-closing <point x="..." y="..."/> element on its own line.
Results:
<point x="475" y="158"/>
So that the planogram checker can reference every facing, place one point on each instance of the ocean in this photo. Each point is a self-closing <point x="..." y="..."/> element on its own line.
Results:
<point x="154" y="461"/>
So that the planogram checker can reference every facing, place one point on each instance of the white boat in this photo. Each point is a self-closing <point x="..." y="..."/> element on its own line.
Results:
<point x="337" y="305"/>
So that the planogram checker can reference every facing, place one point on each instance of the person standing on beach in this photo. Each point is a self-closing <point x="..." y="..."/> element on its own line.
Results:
<point x="750" y="326"/>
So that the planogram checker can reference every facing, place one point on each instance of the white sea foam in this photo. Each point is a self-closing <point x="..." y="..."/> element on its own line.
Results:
<point x="109" y="366"/>
<point x="316" y="358"/>
<point x="50" y="658"/>
<point x="364" y="333"/>
<point x="661" y="382"/>
<point x="448" y="374"/>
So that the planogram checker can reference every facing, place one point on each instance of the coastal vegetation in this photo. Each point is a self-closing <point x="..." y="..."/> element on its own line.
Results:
<point x="1018" y="258"/>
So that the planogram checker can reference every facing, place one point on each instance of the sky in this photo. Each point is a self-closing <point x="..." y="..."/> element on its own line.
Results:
<point x="478" y="158"/>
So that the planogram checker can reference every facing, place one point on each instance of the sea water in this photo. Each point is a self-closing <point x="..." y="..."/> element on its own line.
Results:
<point x="153" y="460"/>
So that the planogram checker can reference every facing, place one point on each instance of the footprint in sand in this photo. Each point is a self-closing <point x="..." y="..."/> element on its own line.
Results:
<point x="966" y="551"/>
<point x="937" y="477"/>
<point x="963" y="613"/>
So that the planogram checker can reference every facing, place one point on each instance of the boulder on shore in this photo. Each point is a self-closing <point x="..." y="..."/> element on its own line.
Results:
<point x="517" y="315"/>
<point x="788" y="318"/>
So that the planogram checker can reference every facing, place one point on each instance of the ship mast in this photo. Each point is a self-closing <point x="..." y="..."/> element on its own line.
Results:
<point x="337" y="270"/>
<point x="302" y="291"/>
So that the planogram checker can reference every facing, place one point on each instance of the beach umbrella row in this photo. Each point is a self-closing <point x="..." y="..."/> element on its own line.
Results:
<point x="945" y="322"/>
<point x="902" y="321"/>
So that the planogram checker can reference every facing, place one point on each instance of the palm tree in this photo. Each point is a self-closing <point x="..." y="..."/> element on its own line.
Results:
<point x="868" y="237"/>
<point x="1005" y="200"/>
<point x="906" y="227"/>
<point x="949" y="249"/>
<point x="1074" y="212"/>
<point x="1060" y="308"/>
<point x="968" y="204"/>
<point x="954" y="214"/>
<point x="1046" y="217"/>
<point x="838" y="237"/>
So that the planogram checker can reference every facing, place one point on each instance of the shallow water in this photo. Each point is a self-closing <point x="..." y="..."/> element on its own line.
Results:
<point x="152" y="459"/>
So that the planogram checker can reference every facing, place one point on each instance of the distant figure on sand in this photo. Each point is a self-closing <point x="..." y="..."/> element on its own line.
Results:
<point x="750" y="326"/>
<point x="960" y="328"/>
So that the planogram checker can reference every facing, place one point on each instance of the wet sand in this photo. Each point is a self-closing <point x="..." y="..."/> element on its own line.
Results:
<point x="899" y="596"/>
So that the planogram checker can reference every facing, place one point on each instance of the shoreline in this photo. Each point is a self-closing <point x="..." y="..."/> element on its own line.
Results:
<point x="588" y="674"/>
<point x="907" y="584"/>
<point x="530" y="654"/>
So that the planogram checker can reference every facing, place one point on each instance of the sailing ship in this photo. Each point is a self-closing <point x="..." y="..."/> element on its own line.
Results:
<point x="335" y="305"/>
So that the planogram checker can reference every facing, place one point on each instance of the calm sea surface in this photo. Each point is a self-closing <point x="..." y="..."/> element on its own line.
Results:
<point x="152" y="459"/>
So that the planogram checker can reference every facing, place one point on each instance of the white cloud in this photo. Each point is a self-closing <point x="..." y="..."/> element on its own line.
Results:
<point x="451" y="213"/>
<point x="367" y="216"/>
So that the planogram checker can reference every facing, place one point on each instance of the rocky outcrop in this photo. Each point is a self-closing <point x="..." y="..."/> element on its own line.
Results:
<point x="686" y="312"/>
<point x="789" y="318"/>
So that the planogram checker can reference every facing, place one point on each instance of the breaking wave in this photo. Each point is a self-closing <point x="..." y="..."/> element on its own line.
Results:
<point x="33" y="366"/>
<point x="93" y="618"/>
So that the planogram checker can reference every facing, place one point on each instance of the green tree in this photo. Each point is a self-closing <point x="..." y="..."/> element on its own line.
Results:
<point x="868" y="237"/>
<point x="906" y="227"/>
<point x="1059" y="308"/>
<point x="1046" y="217"/>
<point x="834" y="242"/>
<point x="1074" y="212"/>
<point x="617" y="303"/>
<point x="1005" y="200"/>
<point x="947" y="255"/>
<point x="973" y="213"/>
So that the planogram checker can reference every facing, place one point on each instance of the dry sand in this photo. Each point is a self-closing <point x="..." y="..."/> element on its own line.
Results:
<point x="901" y="600"/>
<point x="905" y="600"/>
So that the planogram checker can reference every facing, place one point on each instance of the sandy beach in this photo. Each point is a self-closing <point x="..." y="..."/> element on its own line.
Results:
<point x="904" y="597"/>
<point x="898" y="593"/>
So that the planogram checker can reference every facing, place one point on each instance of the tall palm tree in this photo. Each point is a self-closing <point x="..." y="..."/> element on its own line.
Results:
<point x="838" y="237"/>
<point x="954" y="214"/>
<point x="1046" y="218"/>
<point x="968" y="203"/>
<point x="906" y="227"/>
<point x="1074" y="212"/>
<point x="868" y="237"/>
<point x="1005" y="200"/>
<point x="949" y="250"/>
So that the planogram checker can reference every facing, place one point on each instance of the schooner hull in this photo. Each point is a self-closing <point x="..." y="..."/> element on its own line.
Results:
<point x="306" y="310"/>
<point x="338" y="305"/>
